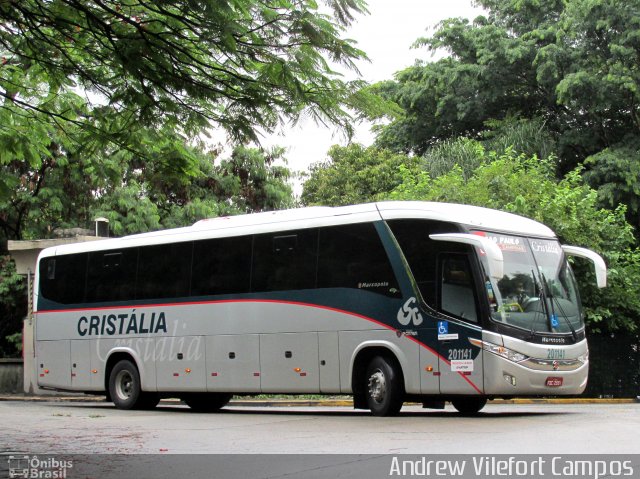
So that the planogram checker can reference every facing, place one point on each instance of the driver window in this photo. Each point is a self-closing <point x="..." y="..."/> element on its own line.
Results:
<point x="456" y="287"/>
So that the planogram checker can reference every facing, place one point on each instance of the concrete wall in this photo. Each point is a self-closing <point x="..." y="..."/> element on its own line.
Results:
<point x="11" y="373"/>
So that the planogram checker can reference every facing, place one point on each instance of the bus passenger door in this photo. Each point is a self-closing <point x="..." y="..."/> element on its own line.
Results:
<point x="460" y="361"/>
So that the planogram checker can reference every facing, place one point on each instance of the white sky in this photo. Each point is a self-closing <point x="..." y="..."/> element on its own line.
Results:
<point x="386" y="35"/>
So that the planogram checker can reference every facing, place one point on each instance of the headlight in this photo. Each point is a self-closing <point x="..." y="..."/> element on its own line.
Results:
<point x="504" y="352"/>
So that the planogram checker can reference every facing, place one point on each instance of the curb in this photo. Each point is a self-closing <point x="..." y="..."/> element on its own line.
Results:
<point x="318" y="402"/>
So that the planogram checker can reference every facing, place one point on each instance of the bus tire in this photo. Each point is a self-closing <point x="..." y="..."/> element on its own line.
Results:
<point x="207" y="402"/>
<point x="384" y="388"/>
<point x="469" y="406"/>
<point x="124" y="385"/>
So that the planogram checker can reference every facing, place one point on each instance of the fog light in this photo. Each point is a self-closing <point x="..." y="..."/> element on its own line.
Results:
<point x="510" y="379"/>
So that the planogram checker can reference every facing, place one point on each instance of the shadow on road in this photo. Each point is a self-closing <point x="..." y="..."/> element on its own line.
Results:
<point x="322" y="411"/>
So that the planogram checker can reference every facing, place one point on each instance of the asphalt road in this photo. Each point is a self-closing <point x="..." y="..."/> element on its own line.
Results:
<point x="92" y="427"/>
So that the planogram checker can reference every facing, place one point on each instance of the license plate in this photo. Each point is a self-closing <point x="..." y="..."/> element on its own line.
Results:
<point x="553" y="382"/>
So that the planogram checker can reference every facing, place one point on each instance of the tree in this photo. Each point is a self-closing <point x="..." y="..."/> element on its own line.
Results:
<point x="571" y="64"/>
<point x="615" y="173"/>
<point x="250" y="180"/>
<point x="528" y="186"/>
<point x="236" y="64"/>
<point x="73" y="187"/>
<point x="89" y="82"/>
<point x="354" y="174"/>
<point x="13" y="307"/>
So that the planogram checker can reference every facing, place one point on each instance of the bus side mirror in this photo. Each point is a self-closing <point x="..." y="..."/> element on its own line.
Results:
<point x="598" y="262"/>
<point x="487" y="248"/>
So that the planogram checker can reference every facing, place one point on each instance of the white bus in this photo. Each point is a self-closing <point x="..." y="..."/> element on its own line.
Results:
<point x="388" y="302"/>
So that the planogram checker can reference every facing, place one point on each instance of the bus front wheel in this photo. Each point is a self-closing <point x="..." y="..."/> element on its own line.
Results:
<point x="384" y="388"/>
<point x="469" y="406"/>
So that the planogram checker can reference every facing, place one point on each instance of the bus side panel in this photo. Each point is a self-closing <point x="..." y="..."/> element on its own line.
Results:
<point x="406" y="351"/>
<point x="54" y="365"/>
<point x="429" y="369"/>
<point x="180" y="363"/>
<point x="81" y="364"/>
<point x="329" y="362"/>
<point x="233" y="363"/>
<point x="289" y="363"/>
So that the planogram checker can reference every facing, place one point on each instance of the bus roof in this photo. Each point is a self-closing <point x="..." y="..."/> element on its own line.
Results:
<point x="316" y="216"/>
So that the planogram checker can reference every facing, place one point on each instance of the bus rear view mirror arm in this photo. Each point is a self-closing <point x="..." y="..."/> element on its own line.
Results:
<point x="487" y="247"/>
<point x="598" y="262"/>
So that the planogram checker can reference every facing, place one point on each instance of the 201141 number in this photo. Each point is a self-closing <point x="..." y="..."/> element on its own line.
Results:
<point x="455" y="354"/>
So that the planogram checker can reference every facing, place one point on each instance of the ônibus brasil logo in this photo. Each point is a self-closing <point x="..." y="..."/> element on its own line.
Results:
<point x="29" y="467"/>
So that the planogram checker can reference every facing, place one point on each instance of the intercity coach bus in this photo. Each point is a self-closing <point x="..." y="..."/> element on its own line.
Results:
<point x="388" y="302"/>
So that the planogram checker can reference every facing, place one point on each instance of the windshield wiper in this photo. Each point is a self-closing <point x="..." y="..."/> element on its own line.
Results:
<point x="542" y="300"/>
<point x="551" y="297"/>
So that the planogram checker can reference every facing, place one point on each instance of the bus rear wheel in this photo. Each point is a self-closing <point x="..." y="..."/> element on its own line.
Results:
<point x="209" y="402"/>
<point x="469" y="406"/>
<point x="124" y="385"/>
<point x="384" y="388"/>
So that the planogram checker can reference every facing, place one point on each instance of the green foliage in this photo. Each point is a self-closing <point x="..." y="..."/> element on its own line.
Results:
<point x="615" y="173"/>
<point x="15" y="341"/>
<point x="568" y="65"/>
<point x="235" y="64"/>
<point x="154" y="76"/>
<point x="527" y="136"/>
<point x="462" y="152"/>
<point x="13" y="295"/>
<point x="354" y="174"/>
<point x="527" y="186"/>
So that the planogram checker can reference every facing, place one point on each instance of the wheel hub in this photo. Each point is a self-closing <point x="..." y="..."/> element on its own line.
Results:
<point x="124" y="384"/>
<point x="377" y="386"/>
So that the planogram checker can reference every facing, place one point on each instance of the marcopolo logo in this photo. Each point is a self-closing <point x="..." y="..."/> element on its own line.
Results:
<point x="37" y="468"/>
<point x="409" y="313"/>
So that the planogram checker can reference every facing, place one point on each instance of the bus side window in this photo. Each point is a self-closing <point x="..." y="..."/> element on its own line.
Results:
<point x="63" y="278"/>
<point x="164" y="271"/>
<point x="285" y="261"/>
<point x="221" y="266"/>
<point x="352" y="256"/>
<point x="112" y="275"/>
<point x="456" y="288"/>
<point x="421" y="252"/>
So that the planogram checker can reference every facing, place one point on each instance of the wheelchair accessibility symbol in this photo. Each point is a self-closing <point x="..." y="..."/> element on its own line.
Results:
<point x="443" y="327"/>
<point x="443" y="332"/>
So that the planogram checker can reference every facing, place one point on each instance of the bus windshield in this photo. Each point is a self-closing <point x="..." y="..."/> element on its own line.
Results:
<point x="538" y="291"/>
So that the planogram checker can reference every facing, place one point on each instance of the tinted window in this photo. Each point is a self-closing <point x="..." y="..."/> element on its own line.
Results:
<point x="62" y="278"/>
<point x="285" y="261"/>
<point x="221" y="266"/>
<point x="421" y="252"/>
<point x="352" y="256"/>
<point x="112" y="275"/>
<point x="164" y="271"/>
<point x="457" y="291"/>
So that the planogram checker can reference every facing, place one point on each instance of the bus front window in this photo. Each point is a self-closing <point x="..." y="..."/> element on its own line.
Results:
<point x="538" y="291"/>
